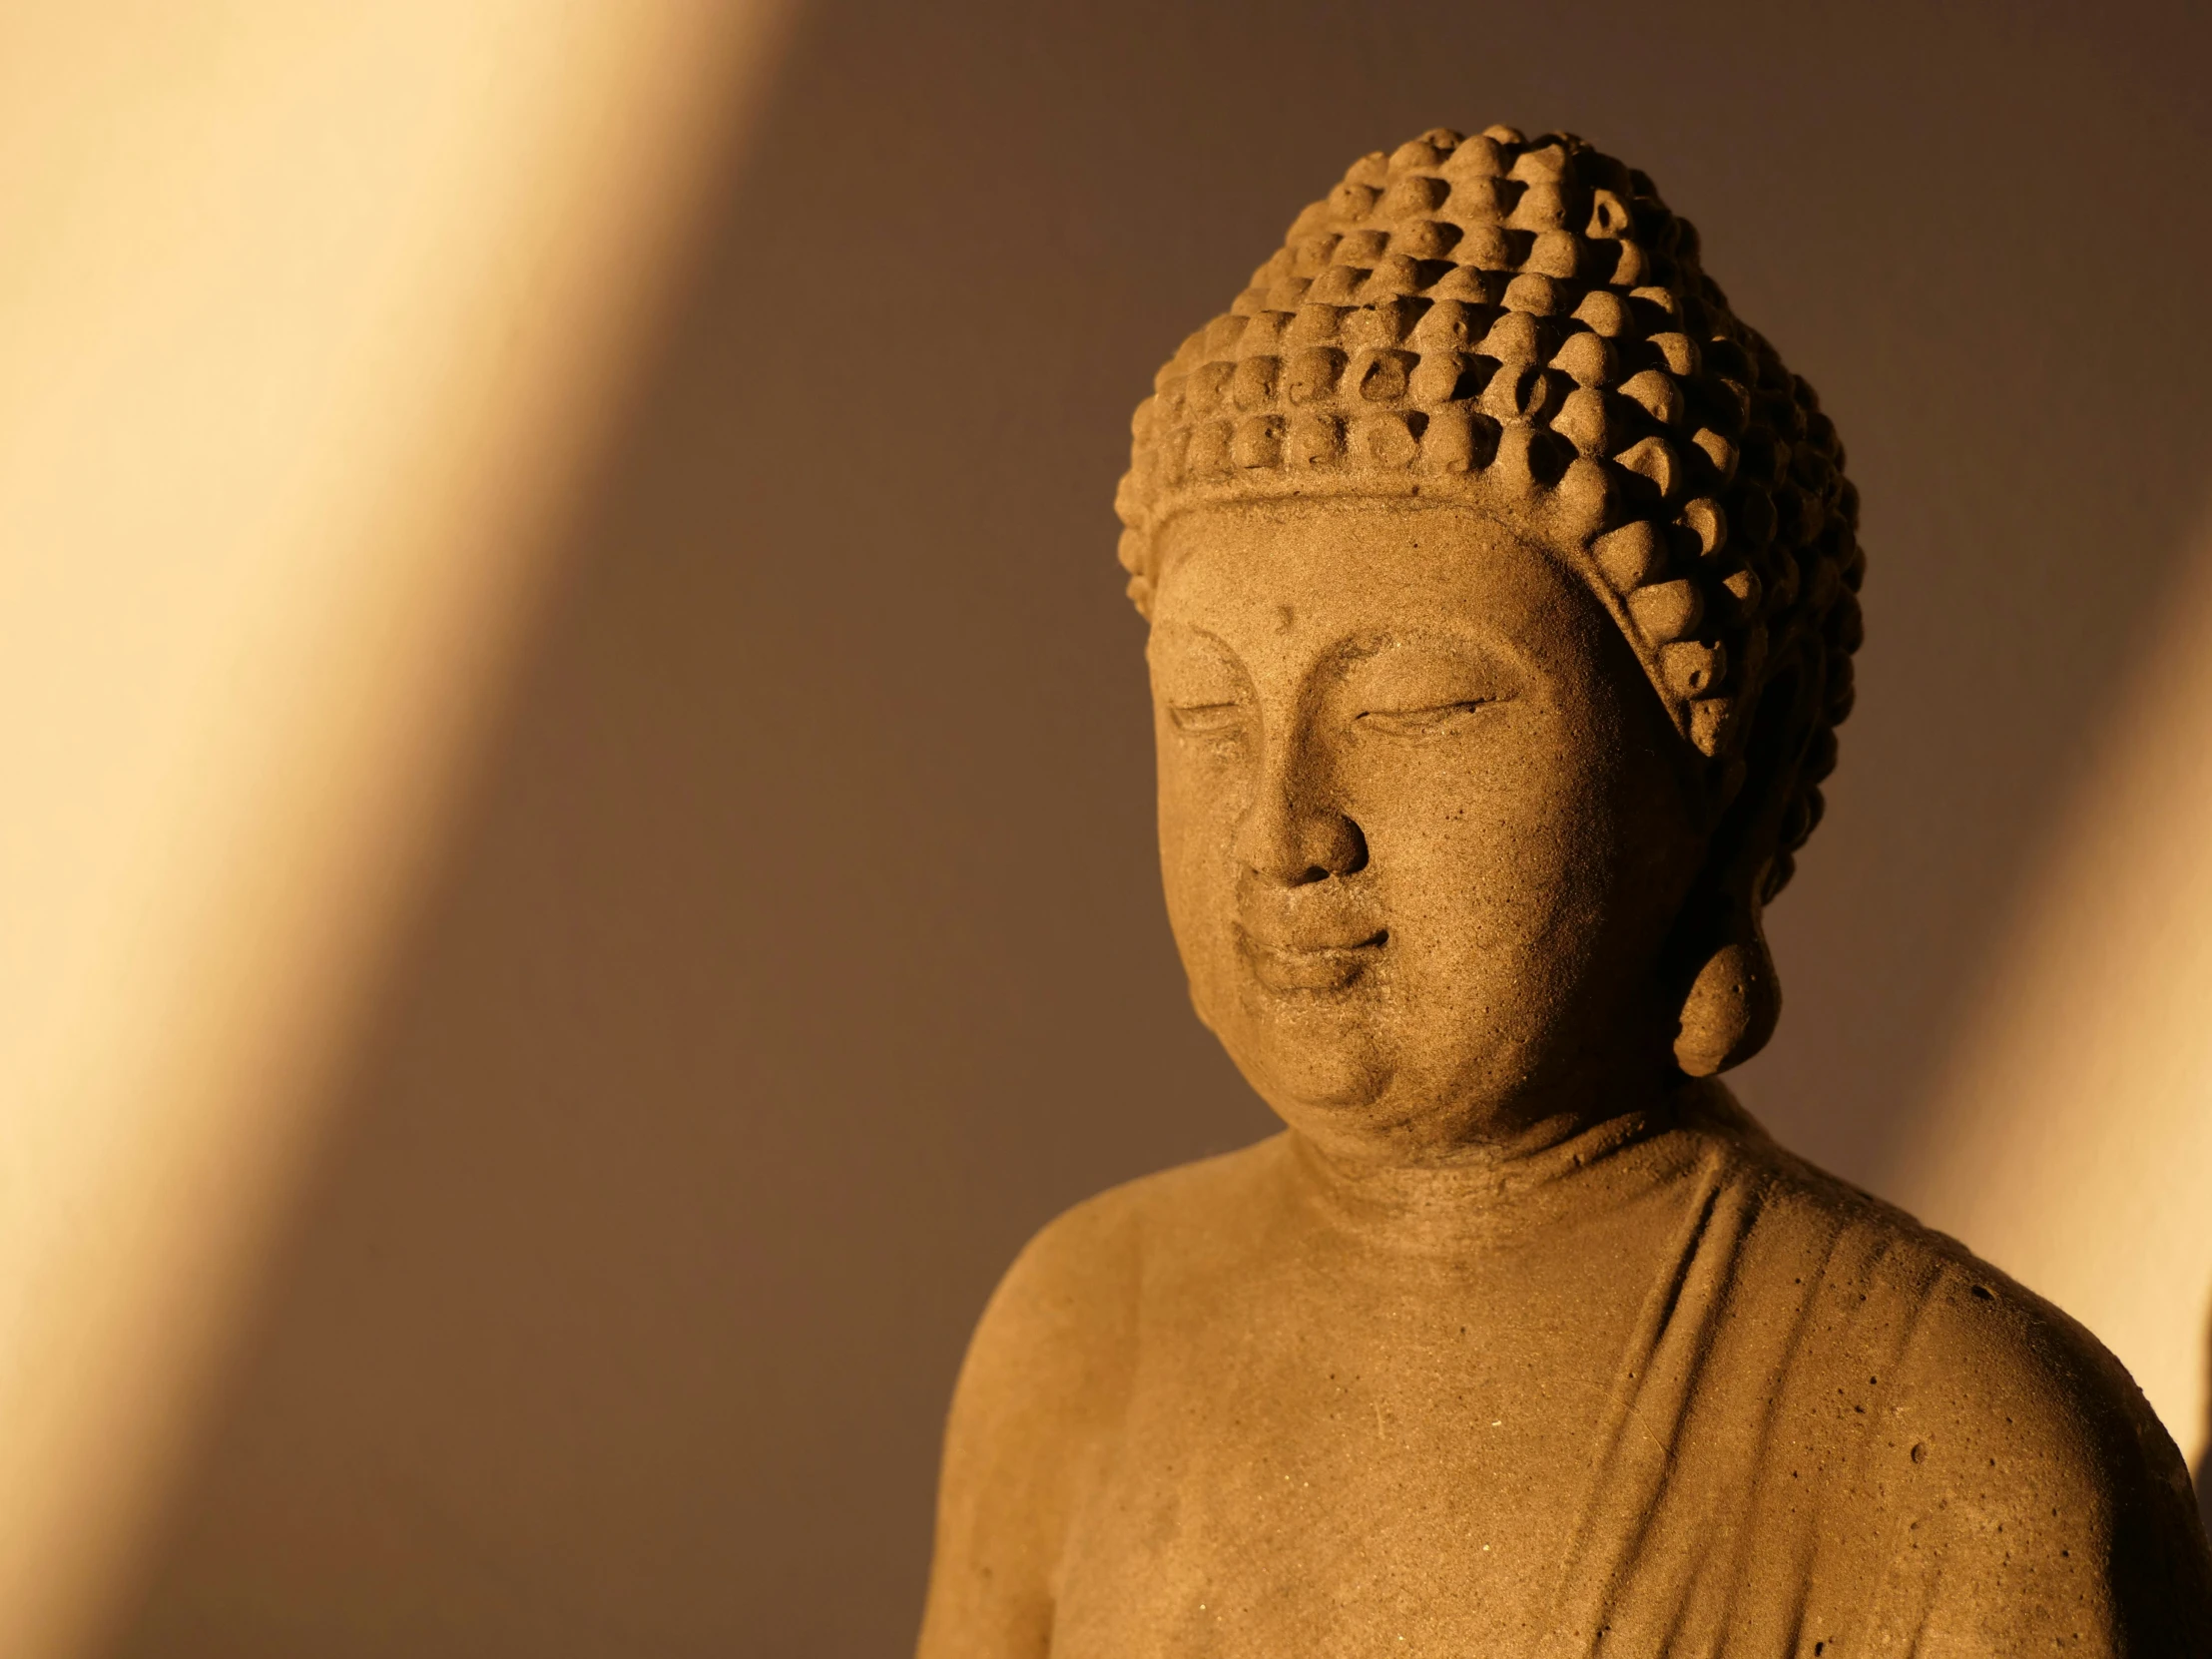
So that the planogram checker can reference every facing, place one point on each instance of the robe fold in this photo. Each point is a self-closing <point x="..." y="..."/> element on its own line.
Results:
<point x="1763" y="1480"/>
<point x="1668" y="1394"/>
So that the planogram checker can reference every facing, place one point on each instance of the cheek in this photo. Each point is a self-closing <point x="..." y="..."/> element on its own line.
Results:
<point x="1200" y="790"/>
<point x="1496" y="854"/>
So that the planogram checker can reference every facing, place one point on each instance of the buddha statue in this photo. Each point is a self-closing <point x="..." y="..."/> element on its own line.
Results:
<point x="1503" y="590"/>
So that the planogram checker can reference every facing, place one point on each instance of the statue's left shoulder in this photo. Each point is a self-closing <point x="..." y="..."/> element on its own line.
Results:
<point x="2018" y="1459"/>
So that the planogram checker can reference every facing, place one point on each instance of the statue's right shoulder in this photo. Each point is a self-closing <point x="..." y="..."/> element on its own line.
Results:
<point x="1045" y="1378"/>
<point x="1059" y="1332"/>
<point x="1096" y="1256"/>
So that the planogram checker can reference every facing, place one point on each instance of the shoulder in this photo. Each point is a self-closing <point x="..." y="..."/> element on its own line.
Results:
<point x="2046" y="1493"/>
<point x="2018" y="1455"/>
<point x="1052" y="1358"/>
<point x="1080" y="1279"/>
<point x="1988" y="1357"/>
<point x="2049" y="1484"/>
<point x="1987" y="1361"/>
<point x="1039" y="1396"/>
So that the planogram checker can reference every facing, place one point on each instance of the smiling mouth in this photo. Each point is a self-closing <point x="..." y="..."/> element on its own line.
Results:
<point x="1312" y="967"/>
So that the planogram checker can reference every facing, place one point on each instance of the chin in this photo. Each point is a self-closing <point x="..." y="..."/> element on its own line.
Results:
<point x="1306" y="1060"/>
<point x="1337" y="1068"/>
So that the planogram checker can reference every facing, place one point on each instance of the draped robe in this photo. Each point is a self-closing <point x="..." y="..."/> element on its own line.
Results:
<point x="1664" y="1391"/>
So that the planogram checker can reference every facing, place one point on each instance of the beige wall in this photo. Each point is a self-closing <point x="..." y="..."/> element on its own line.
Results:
<point x="584" y="841"/>
<point x="312" y="317"/>
<point x="2071" y="1132"/>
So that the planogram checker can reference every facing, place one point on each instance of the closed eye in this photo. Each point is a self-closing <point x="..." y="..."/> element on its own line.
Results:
<point x="1202" y="719"/>
<point x="1435" y="720"/>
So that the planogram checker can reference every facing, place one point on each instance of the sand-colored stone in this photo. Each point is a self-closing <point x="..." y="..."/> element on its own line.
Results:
<point x="1502" y="587"/>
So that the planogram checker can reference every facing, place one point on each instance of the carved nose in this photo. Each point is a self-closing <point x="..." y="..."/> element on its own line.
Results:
<point x="1301" y="846"/>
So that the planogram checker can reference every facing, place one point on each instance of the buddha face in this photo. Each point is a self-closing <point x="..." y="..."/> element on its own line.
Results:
<point x="1423" y="824"/>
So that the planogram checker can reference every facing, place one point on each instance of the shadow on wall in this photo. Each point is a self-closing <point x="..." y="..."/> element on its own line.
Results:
<point x="2202" y="1473"/>
<point x="800" y="951"/>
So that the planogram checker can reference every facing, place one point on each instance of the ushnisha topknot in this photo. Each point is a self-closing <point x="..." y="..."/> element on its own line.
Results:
<point x="1522" y="326"/>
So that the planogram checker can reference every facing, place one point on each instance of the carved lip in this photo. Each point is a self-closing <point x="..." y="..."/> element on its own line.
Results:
<point x="1311" y="964"/>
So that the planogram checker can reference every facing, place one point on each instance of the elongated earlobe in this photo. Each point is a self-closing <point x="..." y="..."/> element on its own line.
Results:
<point x="1732" y="1006"/>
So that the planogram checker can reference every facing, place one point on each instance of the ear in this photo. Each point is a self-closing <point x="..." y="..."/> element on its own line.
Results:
<point x="1733" y="999"/>
<point x="1732" y="1008"/>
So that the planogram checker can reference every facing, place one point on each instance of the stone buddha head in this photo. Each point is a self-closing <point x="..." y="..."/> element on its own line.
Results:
<point x="1502" y="589"/>
<point x="1503" y="592"/>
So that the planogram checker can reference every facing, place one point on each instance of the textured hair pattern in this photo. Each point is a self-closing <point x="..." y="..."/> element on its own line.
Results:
<point x="1522" y="325"/>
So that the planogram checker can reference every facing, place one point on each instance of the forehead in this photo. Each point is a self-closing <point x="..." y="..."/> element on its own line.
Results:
<point x="1323" y="570"/>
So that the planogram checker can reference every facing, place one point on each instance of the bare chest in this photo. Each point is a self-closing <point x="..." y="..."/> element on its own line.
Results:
<point x="1336" y="1468"/>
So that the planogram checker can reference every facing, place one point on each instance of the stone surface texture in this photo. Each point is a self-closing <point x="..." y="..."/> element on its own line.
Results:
<point x="1502" y="589"/>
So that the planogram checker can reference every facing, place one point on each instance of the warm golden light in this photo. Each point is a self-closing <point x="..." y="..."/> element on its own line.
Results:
<point x="2072" y="1138"/>
<point x="310" y="321"/>
<point x="556" y="931"/>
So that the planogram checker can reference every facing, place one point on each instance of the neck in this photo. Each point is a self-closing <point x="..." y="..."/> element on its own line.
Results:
<point x="1481" y="1163"/>
<point x="1486" y="1129"/>
<point x="1554" y="1166"/>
